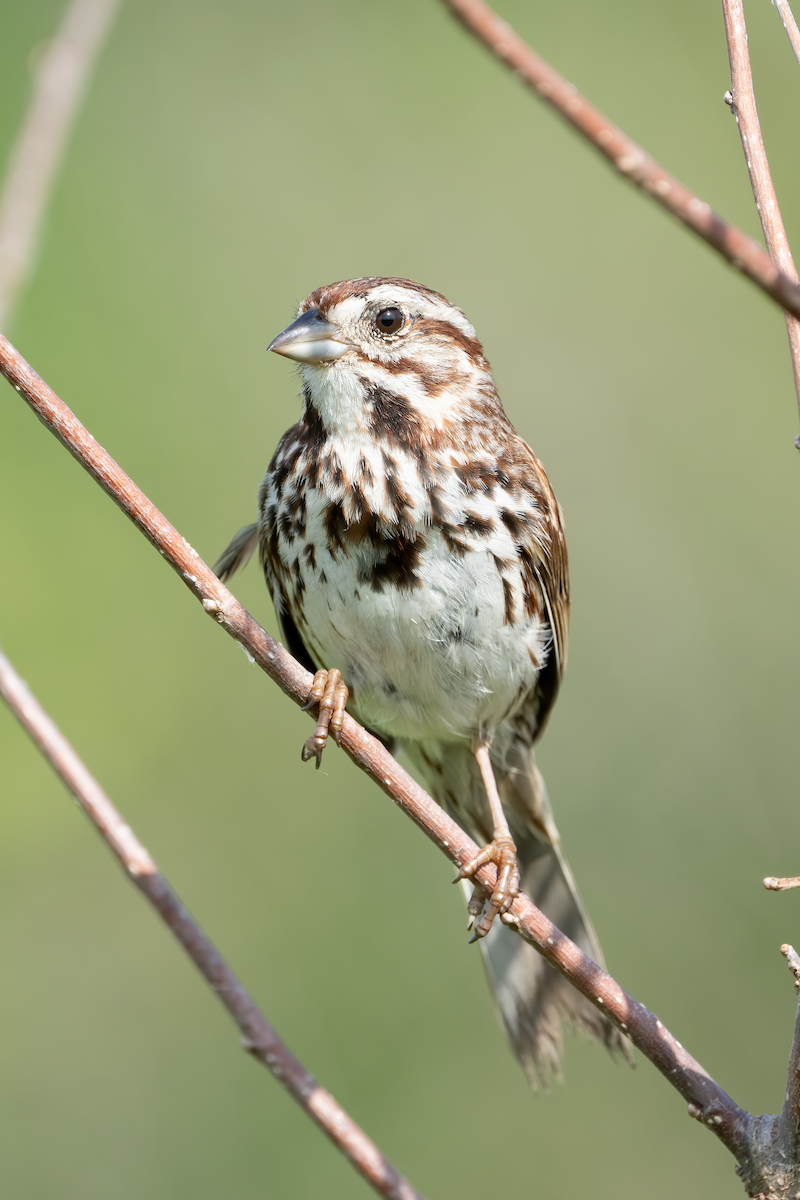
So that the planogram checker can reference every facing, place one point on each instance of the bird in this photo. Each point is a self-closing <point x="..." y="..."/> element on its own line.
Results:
<point x="416" y="558"/>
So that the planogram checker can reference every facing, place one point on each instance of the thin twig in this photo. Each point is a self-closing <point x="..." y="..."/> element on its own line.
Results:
<point x="710" y="1103"/>
<point x="61" y="81"/>
<point x="743" y="106"/>
<point x="258" y="1036"/>
<point x="789" y="24"/>
<point x="625" y="155"/>
<point x="774" y="884"/>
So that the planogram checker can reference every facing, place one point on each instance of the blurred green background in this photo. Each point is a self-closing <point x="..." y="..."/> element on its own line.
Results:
<point x="230" y="157"/>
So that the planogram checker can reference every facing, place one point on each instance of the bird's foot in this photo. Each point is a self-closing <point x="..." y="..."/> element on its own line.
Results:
<point x="481" y="908"/>
<point x="331" y="695"/>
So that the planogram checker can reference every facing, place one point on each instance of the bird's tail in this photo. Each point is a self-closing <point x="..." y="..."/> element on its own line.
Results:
<point x="238" y="554"/>
<point x="534" y="1001"/>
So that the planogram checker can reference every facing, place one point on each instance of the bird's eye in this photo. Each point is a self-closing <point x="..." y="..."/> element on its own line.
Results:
<point x="389" y="320"/>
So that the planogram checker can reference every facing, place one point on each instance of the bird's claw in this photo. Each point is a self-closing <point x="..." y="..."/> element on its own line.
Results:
<point x="331" y="695"/>
<point x="503" y="853"/>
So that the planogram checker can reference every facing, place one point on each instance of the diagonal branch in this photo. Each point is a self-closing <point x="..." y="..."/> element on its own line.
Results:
<point x="626" y="156"/>
<point x="707" y="1101"/>
<point x="743" y="107"/>
<point x="61" y="80"/>
<point x="258" y="1036"/>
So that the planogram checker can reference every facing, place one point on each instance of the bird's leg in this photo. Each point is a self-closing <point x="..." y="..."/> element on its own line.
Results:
<point x="501" y="851"/>
<point x="331" y="695"/>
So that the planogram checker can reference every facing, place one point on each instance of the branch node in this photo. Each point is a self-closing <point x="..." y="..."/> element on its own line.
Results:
<point x="793" y="963"/>
<point x="220" y="610"/>
<point x="728" y="98"/>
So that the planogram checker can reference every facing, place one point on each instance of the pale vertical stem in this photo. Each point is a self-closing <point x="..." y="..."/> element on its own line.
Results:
<point x="790" y="1116"/>
<point x="743" y="105"/>
<point x="788" y="1127"/>
<point x="61" y="81"/>
<point x="789" y="24"/>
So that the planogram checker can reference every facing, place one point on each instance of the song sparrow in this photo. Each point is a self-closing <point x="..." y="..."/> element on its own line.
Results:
<point x="412" y="542"/>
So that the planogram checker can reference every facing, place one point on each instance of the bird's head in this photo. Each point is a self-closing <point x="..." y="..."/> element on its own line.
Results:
<point x="393" y="335"/>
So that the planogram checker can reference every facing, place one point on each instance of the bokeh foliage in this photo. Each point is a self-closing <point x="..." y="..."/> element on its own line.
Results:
<point x="231" y="157"/>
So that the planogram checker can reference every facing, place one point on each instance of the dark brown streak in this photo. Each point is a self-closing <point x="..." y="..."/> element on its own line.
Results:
<point x="454" y="542"/>
<point x="358" y="500"/>
<point x="502" y="564"/>
<point x="336" y="525"/>
<point x="285" y="460"/>
<point x="399" y="567"/>
<point x="508" y="600"/>
<point x="400" y="550"/>
<point x="532" y="599"/>
<point x="336" y="473"/>
<point x="365" y="471"/>
<point x="514" y="523"/>
<point x="474" y="523"/>
<point x="312" y="434"/>
<point x="398" y="497"/>
<point x="392" y="419"/>
<point x="479" y="476"/>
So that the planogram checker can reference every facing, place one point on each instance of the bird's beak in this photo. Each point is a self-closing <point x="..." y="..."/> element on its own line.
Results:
<point x="310" y="339"/>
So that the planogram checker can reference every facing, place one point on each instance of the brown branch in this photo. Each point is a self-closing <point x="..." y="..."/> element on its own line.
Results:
<point x="61" y="80"/>
<point x="626" y="156"/>
<point x="709" y="1103"/>
<point x="258" y="1036"/>
<point x="743" y="107"/>
<point x="776" y="1140"/>
<point x="789" y="24"/>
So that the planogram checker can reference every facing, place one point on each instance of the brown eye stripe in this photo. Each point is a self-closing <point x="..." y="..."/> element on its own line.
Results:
<point x="444" y="330"/>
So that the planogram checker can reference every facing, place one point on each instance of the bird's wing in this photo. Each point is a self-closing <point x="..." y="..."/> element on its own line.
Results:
<point x="545" y="569"/>
<point x="237" y="555"/>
